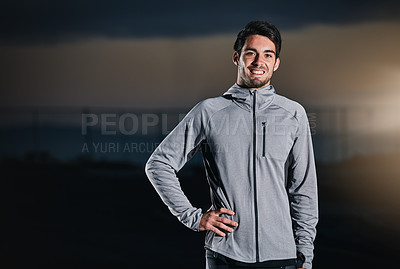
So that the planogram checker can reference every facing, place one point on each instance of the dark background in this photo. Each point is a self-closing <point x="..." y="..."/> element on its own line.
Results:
<point x="64" y="206"/>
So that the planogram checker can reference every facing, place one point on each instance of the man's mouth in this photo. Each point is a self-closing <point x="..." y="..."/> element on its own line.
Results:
<point x="257" y="72"/>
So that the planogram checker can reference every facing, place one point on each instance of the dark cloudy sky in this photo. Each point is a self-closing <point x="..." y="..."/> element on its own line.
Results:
<point x="47" y="21"/>
<point x="175" y="53"/>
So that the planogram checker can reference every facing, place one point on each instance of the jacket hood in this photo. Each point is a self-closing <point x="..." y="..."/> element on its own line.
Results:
<point x="243" y="95"/>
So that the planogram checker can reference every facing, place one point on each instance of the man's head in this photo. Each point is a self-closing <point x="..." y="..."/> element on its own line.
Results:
<point x="256" y="55"/>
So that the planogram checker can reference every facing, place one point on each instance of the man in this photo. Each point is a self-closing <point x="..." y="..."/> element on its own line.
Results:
<point x="259" y="163"/>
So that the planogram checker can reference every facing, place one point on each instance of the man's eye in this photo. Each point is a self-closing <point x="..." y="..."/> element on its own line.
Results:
<point x="250" y="53"/>
<point x="268" y="56"/>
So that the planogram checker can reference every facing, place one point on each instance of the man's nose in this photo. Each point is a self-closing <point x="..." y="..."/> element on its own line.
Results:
<point x="257" y="61"/>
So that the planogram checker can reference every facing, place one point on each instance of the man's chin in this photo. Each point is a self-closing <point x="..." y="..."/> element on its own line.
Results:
<point x="257" y="84"/>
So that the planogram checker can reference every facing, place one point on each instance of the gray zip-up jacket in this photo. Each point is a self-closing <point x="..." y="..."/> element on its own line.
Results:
<point x="259" y="162"/>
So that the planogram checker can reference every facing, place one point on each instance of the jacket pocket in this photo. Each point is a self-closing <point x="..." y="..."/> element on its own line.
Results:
<point x="276" y="144"/>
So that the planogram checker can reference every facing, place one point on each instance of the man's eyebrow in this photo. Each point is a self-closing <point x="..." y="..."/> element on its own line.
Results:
<point x="252" y="49"/>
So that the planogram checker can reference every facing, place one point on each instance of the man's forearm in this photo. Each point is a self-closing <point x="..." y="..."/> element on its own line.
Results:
<point x="166" y="183"/>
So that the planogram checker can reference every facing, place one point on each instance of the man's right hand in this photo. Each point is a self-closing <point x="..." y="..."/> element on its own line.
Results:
<point x="219" y="225"/>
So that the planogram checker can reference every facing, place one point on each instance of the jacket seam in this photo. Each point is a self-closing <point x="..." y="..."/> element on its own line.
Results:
<point x="207" y="127"/>
<point x="294" y="116"/>
<point x="288" y="111"/>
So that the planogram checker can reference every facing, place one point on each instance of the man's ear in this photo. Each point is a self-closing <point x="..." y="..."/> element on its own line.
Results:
<point x="235" y="58"/>
<point x="277" y="62"/>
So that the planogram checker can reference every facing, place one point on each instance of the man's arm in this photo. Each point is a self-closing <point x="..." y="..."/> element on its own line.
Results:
<point x="302" y="191"/>
<point x="168" y="158"/>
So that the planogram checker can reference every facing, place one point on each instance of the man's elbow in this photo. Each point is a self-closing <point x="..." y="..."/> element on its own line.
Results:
<point x="148" y="167"/>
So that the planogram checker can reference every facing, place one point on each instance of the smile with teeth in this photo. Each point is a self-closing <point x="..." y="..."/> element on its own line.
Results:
<point x="257" y="72"/>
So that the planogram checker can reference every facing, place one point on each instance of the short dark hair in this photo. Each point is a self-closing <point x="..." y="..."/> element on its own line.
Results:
<point x="259" y="28"/>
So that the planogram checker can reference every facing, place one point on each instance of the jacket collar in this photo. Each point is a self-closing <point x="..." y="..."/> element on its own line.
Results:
<point x="243" y="95"/>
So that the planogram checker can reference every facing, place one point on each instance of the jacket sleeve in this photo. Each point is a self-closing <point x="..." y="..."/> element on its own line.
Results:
<point x="168" y="158"/>
<point x="302" y="191"/>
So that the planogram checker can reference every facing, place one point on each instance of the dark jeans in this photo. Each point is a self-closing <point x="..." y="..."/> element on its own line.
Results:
<point x="218" y="261"/>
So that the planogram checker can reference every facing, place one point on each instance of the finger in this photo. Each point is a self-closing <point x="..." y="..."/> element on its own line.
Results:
<point x="228" y="221"/>
<point x="225" y="211"/>
<point x="224" y="227"/>
<point x="217" y="231"/>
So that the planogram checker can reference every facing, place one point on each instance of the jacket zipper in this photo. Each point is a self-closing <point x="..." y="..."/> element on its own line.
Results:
<point x="263" y="131"/>
<point x="254" y="174"/>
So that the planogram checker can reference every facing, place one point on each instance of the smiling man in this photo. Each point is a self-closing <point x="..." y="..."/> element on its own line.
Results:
<point x="259" y="163"/>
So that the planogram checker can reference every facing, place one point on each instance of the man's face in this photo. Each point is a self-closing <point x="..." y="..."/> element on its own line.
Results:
<point x="256" y="63"/>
